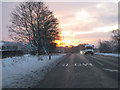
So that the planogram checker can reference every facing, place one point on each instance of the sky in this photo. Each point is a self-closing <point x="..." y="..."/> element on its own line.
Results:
<point x="0" y="21"/>
<point x="80" y="22"/>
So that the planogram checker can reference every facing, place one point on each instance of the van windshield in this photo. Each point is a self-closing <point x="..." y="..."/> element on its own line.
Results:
<point x="89" y="47"/>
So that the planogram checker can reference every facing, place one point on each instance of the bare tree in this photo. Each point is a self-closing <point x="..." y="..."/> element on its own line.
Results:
<point x="105" y="46"/>
<point x="116" y="39"/>
<point x="33" y="23"/>
<point x="113" y="45"/>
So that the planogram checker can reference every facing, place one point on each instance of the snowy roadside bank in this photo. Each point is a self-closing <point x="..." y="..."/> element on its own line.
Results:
<point x="108" y="54"/>
<point x="26" y="71"/>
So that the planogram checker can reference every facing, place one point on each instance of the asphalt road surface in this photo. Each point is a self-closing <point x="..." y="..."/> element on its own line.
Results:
<point x="83" y="71"/>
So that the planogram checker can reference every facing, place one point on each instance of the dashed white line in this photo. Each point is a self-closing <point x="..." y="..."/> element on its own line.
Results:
<point x="90" y="64"/>
<point x="66" y="64"/>
<point x="85" y="64"/>
<point x="77" y="65"/>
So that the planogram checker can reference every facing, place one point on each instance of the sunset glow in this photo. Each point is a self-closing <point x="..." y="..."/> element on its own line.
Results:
<point x="62" y="43"/>
<point x="80" y="22"/>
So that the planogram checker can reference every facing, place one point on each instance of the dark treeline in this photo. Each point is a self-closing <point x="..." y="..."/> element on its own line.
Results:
<point x="112" y="46"/>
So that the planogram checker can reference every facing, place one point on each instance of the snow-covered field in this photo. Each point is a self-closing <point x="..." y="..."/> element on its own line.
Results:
<point x="108" y="54"/>
<point x="26" y="71"/>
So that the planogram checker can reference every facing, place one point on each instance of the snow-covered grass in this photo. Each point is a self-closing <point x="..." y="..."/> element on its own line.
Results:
<point x="26" y="71"/>
<point x="0" y="74"/>
<point x="108" y="54"/>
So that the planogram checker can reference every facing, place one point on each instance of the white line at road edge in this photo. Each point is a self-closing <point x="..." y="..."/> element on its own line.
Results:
<point x="111" y="70"/>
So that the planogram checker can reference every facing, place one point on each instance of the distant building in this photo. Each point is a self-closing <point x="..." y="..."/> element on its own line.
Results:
<point x="8" y="46"/>
<point x="22" y="47"/>
<point x="13" y="46"/>
<point x="61" y="49"/>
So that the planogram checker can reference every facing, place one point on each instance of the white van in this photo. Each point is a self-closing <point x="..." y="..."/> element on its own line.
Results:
<point x="89" y="49"/>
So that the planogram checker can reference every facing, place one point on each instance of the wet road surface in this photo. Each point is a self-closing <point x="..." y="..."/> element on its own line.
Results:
<point x="83" y="71"/>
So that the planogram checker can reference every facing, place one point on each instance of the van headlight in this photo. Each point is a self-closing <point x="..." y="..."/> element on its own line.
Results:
<point x="81" y="52"/>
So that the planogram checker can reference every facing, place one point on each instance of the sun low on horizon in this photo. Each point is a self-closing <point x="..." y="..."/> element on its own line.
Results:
<point x="80" y="22"/>
<point x="85" y="22"/>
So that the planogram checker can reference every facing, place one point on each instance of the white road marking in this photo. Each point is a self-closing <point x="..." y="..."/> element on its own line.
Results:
<point x="90" y="64"/>
<point x="111" y="70"/>
<point x="66" y="65"/>
<point x="79" y="64"/>
<point x="85" y="64"/>
<point x="75" y="64"/>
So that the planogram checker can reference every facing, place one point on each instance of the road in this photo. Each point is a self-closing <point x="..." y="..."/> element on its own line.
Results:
<point x="83" y="71"/>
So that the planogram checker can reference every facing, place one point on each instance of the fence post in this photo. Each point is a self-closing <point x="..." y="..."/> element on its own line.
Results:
<point x="49" y="56"/>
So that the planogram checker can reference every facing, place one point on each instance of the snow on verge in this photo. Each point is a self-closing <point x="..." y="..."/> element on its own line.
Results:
<point x="108" y="54"/>
<point x="26" y="71"/>
<point x="0" y="74"/>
